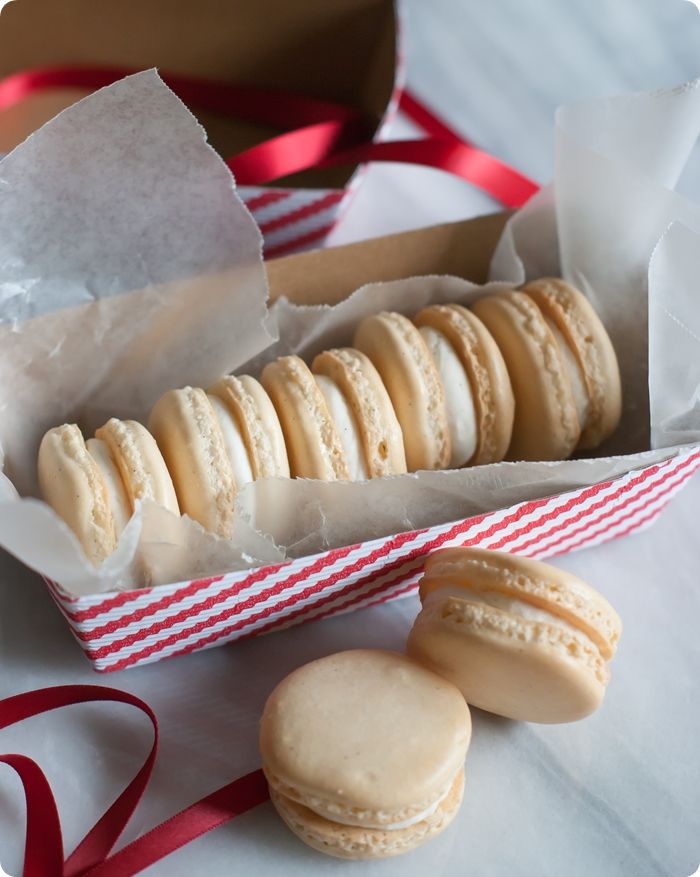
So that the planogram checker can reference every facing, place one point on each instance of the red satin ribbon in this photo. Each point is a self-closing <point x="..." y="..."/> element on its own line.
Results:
<point x="279" y="109"/>
<point x="323" y="133"/>
<point x="44" y="844"/>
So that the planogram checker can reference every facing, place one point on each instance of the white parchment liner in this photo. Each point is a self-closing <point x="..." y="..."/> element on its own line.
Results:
<point x="128" y="265"/>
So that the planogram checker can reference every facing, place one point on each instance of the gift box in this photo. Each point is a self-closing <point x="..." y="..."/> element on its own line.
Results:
<point x="192" y="306"/>
<point x="249" y="72"/>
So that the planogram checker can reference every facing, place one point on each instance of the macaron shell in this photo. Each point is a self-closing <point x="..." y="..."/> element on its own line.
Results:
<point x="581" y="326"/>
<point x="140" y="463"/>
<point x="258" y="422"/>
<point x="400" y="355"/>
<point x="119" y="501"/>
<point x="313" y="444"/>
<point x="362" y="386"/>
<point x="72" y="484"/>
<point x="519" y="669"/>
<point x="334" y="731"/>
<point x="187" y="432"/>
<point x="541" y="585"/>
<point x="354" y="842"/>
<point x="487" y="373"/>
<point x="545" y="425"/>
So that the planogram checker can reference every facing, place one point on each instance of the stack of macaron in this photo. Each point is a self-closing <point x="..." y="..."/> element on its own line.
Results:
<point x="518" y="637"/>
<point x="525" y="374"/>
<point x="364" y="753"/>
<point x="364" y="750"/>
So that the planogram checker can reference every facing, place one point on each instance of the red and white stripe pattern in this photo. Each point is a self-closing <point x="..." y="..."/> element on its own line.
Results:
<point x="293" y="219"/>
<point x="126" y="629"/>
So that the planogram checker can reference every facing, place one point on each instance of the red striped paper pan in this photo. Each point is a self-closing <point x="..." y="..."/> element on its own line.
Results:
<point x="130" y="628"/>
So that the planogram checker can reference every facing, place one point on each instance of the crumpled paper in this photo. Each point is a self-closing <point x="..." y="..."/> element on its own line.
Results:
<point x="128" y="265"/>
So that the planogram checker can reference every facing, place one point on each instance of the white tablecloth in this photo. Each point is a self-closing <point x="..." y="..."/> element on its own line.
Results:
<point x="539" y="800"/>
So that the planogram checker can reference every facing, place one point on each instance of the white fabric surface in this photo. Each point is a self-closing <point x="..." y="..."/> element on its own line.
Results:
<point x="207" y="703"/>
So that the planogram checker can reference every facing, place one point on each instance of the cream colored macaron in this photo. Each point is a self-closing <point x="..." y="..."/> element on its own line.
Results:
<point x="94" y="485"/>
<point x="588" y="355"/>
<point x="257" y="423"/>
<point x="362" y="411"/>
<point x="546" y="424"/>
<point x="400" y="355"/>
<point x="313" y="443"/>
<point x="364" y="753"/>
<point x="478" y="393"/>
<point x="139" y="461"/>
<point x="518" y="637"/>
<point x="190" y="434"/>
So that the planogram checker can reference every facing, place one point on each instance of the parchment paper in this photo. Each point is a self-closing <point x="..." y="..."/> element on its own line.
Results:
<point x="137" y="269"/>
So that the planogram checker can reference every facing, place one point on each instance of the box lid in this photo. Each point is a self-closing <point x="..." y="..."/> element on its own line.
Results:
<point x="344" y="51"/>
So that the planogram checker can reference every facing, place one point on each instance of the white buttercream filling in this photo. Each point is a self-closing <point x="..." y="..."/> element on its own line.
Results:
<point x="393" y="826"/>
<point x="574" y="371"/>
<point x="119" y="502"/>
<point x="233" y="442"/>
<point x="348" y="431"/>
<point x="459" y="401"/>
<point x="513" y="605"/>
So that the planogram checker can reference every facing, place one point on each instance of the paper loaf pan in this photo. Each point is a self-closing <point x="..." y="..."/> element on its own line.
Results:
<point x="136" y="627"/>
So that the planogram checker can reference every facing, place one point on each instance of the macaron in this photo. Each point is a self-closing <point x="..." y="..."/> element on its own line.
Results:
<point x="519" y="638"/>
<point x="401" y="356"/>
<point x="258" y="425"/>
<point x="546" y="424"/>
<point x="364" y="753"/>
<point x="94" y="485"/>
<point x="189" y="428"/>
<point x="478" y="394"/>
<point x="362" y="412"/>
<point x="588" y="356"/>
<point x="314" y="446"/>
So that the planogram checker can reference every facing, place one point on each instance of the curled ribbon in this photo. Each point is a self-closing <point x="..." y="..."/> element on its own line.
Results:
<point x="44" y="855"/>
<point x="322" y="133"/>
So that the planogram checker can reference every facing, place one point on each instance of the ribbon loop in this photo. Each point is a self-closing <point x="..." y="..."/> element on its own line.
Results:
<point x="41" y="806"/>
<point x="44" y="844"/>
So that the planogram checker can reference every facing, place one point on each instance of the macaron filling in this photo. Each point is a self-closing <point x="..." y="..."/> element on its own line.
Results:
<point x="346" y="425"/>
<point x="573" y="370"/>
<point x="119" y="504"/>
<point x="459" y="400"/>
<point x="512" y="605"/>
<point x="233" y="442"/>
<point x="426" y="813"/>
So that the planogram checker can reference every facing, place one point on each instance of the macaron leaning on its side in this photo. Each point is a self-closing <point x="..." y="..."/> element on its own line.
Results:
<point x="364" y="753"/>
<point x="519" y="638"/>
<point x="189" y="434"/>
<point x="258" y="426"/>
<point x="478" y="393"/>
<point x="399" y="353"/>
<point x="94" y="485"/>
<point x="588" y="353"/>
<point x="313" y="442"/>
<point x="546" y="425"/>
<point x="362" y="412"/>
